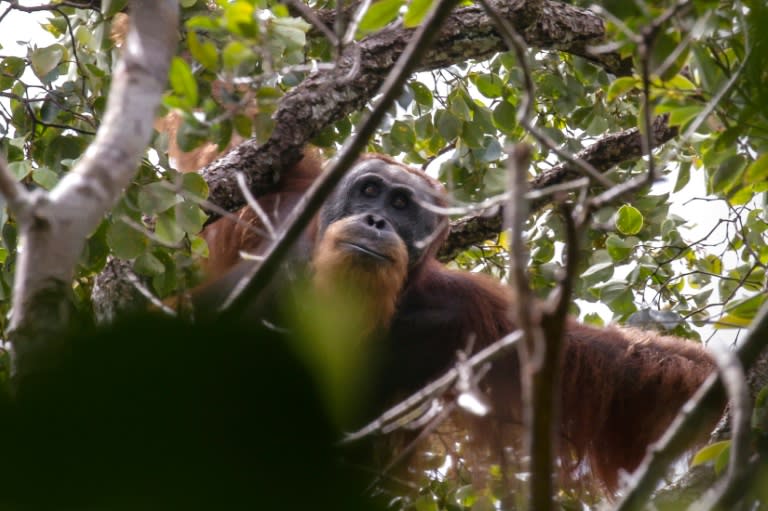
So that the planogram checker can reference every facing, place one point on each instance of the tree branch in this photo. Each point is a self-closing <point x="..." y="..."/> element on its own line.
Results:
<point x="545" y="25"/>
<point x="328" y="96"/>
<point x="602" y="155"/>
<point x="54" y="233"/>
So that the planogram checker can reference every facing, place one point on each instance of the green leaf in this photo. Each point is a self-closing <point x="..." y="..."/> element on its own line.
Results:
<point x="448" y="125"/>
<point x="157" y="197"/>
<point x="710" y="452"/>
<point x="489" y="85"/>
<point x="505" y="117"/>
<point x="683" y="176"/>
<point x="149" y="265"/>
<point x="167" y="229"/>
<point x="44" y="60"/>
<point x="243" y="125"/>
<point x="190" y="217"/>
<point x="728" y="174"/>
<point x="757" y="170"/>
<point x="379" y="14"/>
<point x="45" y="177"/>
<point x="125" y="241"/>
<point x="664" y="45"/>
<point x="202" y="23"/>
<point x="50" y="110"/>
<point x="111" y="7"/>
<point x="95" y="252"/>
<point x="291" y="31"/>
<point x="711" y="264"/>
<point x="402" y="136"/>
<point x="681" y="115"/>
<point x="629" y="220"/>
<point x="221" y="134"/>
<point x="543" y="251"/>
<point x="746" y="307"/>
<point x="618" y="296"/>
<point x="20" y="169"/>
<point x="11" y="69"/>
<point x="417" y="9"/>
<point x="204" y="52"/>
<point x="731" y="321"/>
<point x="472" y="134"/>
<point x="183" y="82"/>
<point x="618" y="248"/>
<point x="199" y="247"/>
<point x="239" y="19"/>
<point x="236" y="55"/>
<point x="421" y="94"/>
<point x="85" y="37"/>
<point x="721" y="462"/>
<point x="425" y="503"/>
<point x="593" y="318"/>
<point x="194" y="184"/>
<point x="621" y="86"/>
<point x="741" y="195"/>
<point x="459" y="107"/>
<point x="599" y="272"/>
<point x="191" y="134"/>
<point x="680" y="82"/>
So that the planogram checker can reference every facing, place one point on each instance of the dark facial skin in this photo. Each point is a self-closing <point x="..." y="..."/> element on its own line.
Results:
<point x="381" y="201"/>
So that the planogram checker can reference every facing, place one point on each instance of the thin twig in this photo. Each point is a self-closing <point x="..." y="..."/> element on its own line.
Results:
<point x="535" y="353"/>
<point x="434" y="388"/>
<point x="254" y="205"/>
<point x="312" y="18"/>
<point x="50" y="7"/>
<point x="735" y="382"/>
<point x="149" y="295"/>
<point x="423" y="434"/>
<point x="349" y="36"/>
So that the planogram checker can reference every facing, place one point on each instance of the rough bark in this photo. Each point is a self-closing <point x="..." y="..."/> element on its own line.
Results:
<point x="113" y="293"/>
<point x="544" y="24"/>
<point x="603" y="155"/>
<point x="326" y="97"/>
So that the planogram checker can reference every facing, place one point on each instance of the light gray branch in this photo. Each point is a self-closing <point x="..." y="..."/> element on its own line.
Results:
<point x="54" y="233"/>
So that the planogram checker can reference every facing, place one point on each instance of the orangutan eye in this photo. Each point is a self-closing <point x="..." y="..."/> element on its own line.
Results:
<point x="371" y="190"/>
<point x="400" y="201"/>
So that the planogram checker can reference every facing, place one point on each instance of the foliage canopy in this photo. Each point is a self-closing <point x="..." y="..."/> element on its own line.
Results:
<point x="688" y="254"/>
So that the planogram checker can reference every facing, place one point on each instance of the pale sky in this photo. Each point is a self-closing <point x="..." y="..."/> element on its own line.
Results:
<point x="22" y="26"/>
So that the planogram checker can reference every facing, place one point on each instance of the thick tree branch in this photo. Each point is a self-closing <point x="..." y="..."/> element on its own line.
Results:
<point x="603" y="155"/>
<point x="547" y="25"/>
<point x="326" y="97"/>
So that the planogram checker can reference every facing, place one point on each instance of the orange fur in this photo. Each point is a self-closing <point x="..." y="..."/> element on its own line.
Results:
<point x="227" y="237"/>
<point x="379" y="285"/>
<point x="620" y="388"/>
